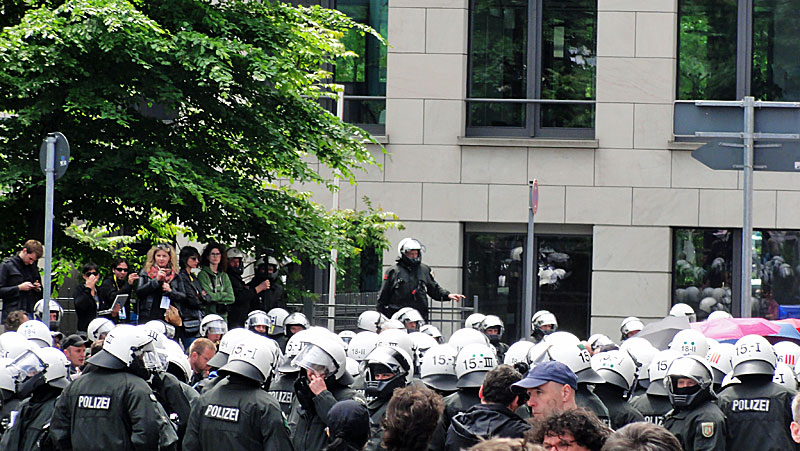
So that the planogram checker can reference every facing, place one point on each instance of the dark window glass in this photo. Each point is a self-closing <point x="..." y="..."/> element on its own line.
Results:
<point x="775" y="281"/>
<point x="495" y="274"/>
<point x="776" y="68"/>
<point x="701" y="272"/>
<point x="366" y="74"/>
<point x="707" y="49"/>
<point x="498" y="54"/>
<point x="569" y="36"/>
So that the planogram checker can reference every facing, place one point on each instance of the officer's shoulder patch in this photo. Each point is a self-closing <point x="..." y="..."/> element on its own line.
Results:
<point x="707" y="429"/>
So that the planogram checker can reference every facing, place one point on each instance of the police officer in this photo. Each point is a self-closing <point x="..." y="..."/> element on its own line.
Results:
<point x="696" y="420"/>
<point x="42" y="374"/>
<point x="759" y="411"/>
<point x="269" y="291"/>
<point x="243" y="295"/>
<point x="654" y="404"/>
<point x="258" y="322"/>
<point x="111" y="406"/>
<point x="543" y="323"/>
<point x="237" y="413"/>
<point x="410" y="282"/>
<point x="387" y="368"/>
<point x="322" y="382"/>
<point x="619" y="371"/>
<point x="630" y="326"/>
<point x="282" y="386"/>
<point x="492" y="326"/>
<point x="410" y="317"/>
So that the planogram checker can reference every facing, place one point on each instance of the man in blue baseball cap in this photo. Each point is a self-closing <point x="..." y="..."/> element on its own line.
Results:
<point x="551" y="387"/>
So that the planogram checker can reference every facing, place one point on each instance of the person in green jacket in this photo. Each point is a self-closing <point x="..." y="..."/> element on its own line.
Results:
<point x="215" y="280"/>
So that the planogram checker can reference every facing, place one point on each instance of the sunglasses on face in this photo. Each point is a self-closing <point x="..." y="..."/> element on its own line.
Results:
<point x="215" y="254"/>
<point x="91" y="273"/>
<point x="121" y="269"/>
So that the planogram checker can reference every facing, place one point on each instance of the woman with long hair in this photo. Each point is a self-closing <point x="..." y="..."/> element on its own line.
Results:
<point x="214" y="279"/>
<point x="159" y="285"/>
<point x="191" y="306"/>
<point x="86" y="297"/>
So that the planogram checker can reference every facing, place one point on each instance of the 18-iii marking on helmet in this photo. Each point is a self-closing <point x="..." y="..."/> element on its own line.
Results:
<point x="222" y="413"/>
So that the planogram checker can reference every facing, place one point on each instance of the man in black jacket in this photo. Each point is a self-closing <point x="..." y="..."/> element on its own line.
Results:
<point x="410" y="282"/>
<point x="494" y="416"/>
<point x="20" y="283"/>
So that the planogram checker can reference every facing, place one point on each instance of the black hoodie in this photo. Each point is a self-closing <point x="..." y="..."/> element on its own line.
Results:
<point x="484" y="421"/>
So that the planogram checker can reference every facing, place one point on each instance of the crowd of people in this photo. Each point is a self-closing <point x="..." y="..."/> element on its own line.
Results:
<point x="196" y="379"/>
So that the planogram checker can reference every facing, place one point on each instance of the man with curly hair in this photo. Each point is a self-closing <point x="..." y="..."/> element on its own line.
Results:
<point x="574" y="429"/>
<point x="411" y="417"/>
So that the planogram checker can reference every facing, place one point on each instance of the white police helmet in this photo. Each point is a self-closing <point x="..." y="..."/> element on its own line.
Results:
<point x="253" y="358"/>
<point x="226" y="344"/>
<point x="276" y="317"/>
<point x="473" y="321"/>
<point x="37" y="332"/>
<point x="720" y="357"/>
<point x="466" y="336"/>
<point x="434" y="332"/>
<point x="491" y="321"/>
<point x="787" y="352"/>
<point x="397" y="339"/>
<point x="370" y="321"/>
<point x="98" y="328"/>
<point x="386" y="360"/>
<point x="689" y="367"/>
<point x="690" y="342"/>
<point x="562" y="337"/>
<point x="544" y="318"/>
<point x="293" y="347"/>
<point x="616" y="368"/>
<point x="410" y="244"/>
<point x="784" y="375"/>
<point x="438" y="368"/>
<point x="161" y="327"/>
<point x="295" y="319"/>
<point x="6" y="380"/>
<point x="754" y="355"/>
<point x="409" y="315"/>
<point x="393" y="324"/>
<point x="517" y="352"/>
<point x="324" y="354"/>
<point x="123" y="345"/>
<point x="643" y="353"/>
<point x="55" y="307"/>
<point x="473" y="361"/>
<point x="12" y="344"/>
<point x="422" y="343"/>
<point x="353" y="367"/>
<point x="234" y="252"/>
<point x="630" y="324"/>
<point x="213" y="324"/>
<point x="346" y="336"/>
<point x="681" y="309"/>
<point x="719" y="314"/>
<point x="361" y="345"/>
<point x="56" y="364"/>
<point x="658" y="371"/>
<point x="601" y="342"/>
<point x="178" y="362"/>
<point x="578" y="360"/>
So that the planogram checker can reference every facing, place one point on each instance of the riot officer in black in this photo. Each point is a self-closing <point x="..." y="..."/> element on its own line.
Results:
<point x="695" y="420"/>
<point x="759" y="411"/>
<point x="387" y="368"/>
<point x="654" y="404"/>
<point x="269" y="292"/>
<point x="41" y="375"/>
<point x="110" y="406"/>
<point x="410" y="282"/>
<point x="237" y="413"/>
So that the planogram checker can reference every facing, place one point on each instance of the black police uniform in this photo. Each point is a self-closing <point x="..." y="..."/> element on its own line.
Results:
<point x="585" y="397"/>
<point x="620" y="412"/>
<point x="12" y="273"/>
<point x="243" y="298"/>
<point x="176" y="398"/>
<point x="653" y="407"/>
<point x="9" y="404"/>
<point x="458" y="402"/>
<point x="409" y="285"/>
<point x="307" y="422"/>
<point x="236" y="414"/>
<point x="759" y="413"/>
<point x="481" y="422"/>
<point x="377" y="409"/>
<point x="31" y="427"/>
<point x="104" y="410"/>
<point x="282" y="389"/>
<point x="700" y="428"/>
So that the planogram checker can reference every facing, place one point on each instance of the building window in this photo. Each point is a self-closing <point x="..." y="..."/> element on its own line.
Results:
<point x="729" y="49"/>
<point x="364" y="77"/>
<point x="495" y="274"/>
<point x="775" y="279"/>
<point x="532" y="68"/>
<point x="702" y="271"/>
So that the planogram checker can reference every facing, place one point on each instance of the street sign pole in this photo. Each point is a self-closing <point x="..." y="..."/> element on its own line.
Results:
<point x="530" y="285"/>
<point x="334" y="251"/>
<point x="50" y="181"/>
<point x="747" y="214"/>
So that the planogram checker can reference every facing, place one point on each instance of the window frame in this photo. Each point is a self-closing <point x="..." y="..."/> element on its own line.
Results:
<point x="533" y="100"/>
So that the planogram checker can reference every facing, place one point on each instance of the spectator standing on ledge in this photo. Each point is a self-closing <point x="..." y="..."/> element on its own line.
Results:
<point x="20" y="283"/>
<point x="410" y="282"/>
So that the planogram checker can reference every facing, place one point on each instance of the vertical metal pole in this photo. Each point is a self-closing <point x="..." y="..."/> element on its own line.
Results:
<point x="747" y="219"/>
<point x="527" y="306"/>
<point x="335" y="206"/>
<point x="50" y="176"/>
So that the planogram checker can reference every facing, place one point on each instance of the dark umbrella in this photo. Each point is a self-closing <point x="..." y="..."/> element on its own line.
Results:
<point x="660" y="333"/>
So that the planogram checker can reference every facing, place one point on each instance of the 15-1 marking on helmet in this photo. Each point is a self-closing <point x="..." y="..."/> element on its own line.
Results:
<point x="707" y="429"/>
<point x="94" y="402"/>
<point x="222" y="413"/>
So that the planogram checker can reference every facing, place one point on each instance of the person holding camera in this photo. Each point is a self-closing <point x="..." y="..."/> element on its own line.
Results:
<point x="121" y="281"/>
<point x="158" y="285"/>
<point x="215" y="281"/>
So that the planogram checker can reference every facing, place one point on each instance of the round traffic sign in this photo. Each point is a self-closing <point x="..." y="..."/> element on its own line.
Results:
<point x="60" y="156"/>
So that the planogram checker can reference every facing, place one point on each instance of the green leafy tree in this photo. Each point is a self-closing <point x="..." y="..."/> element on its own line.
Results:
<point x="177" y="112"/>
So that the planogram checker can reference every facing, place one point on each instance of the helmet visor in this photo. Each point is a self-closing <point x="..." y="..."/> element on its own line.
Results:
<point x="258" y="319"/>
<point x="313" y="358"/>
<point x="25" y="366"/>
<point x="217" y="327"/>
<point x="151" y="358"/>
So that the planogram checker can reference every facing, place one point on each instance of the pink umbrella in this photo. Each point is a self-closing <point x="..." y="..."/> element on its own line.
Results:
<point x="735" y="328"/>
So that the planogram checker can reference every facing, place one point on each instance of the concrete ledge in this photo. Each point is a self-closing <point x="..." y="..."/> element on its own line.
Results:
<point x="529" y="142"/>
